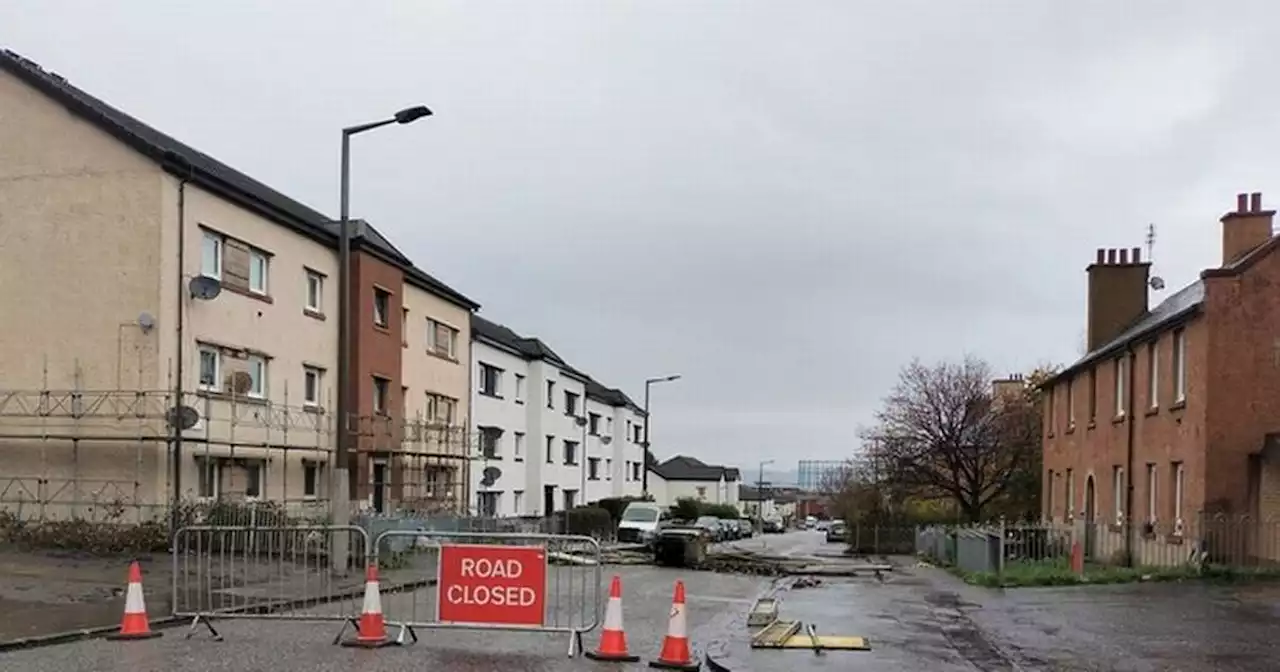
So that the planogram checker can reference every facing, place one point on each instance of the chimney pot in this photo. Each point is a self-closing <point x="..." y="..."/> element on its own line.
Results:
<point x="1255" y="202"/>
<point x="1111" y="256"/>
<point x="1124" y="257"/>
<point x="1102" y="256"/>
<point x="1242" y="202"/>
<point x="1137" y="255"/>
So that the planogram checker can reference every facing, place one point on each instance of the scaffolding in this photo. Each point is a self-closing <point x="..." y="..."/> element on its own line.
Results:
<point x="109" y="455"/>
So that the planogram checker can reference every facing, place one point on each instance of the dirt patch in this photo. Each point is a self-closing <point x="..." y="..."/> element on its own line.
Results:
<point x="43" y="592"/>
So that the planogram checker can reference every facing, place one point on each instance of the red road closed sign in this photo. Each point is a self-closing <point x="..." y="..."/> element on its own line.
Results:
<point x="493" y="585"/>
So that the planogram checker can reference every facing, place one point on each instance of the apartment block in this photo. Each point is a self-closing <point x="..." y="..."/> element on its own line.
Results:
<point x="148" y="285"/>
<point x="549" y="436"/>
<point x="1170" y="421"/>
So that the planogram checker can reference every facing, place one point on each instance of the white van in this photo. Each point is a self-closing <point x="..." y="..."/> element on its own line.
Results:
<point x="639" y="523"/>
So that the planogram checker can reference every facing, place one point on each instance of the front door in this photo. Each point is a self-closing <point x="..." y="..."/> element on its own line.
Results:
<point x="548" y="500"/>
<point x="379" y="486"/>
<point x="1090" y="526"/>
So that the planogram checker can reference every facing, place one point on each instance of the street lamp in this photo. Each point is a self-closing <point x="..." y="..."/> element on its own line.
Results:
<point x="760" y="495"/>
<point x="340" y="494"/>
<point x="644" y="469"/>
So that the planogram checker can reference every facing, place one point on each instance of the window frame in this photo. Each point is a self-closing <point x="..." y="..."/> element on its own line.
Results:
<point x="1070" y="493"/>
<point x="309" y="372"/>
<point x="381" y="396"/>
<point x="1117" y="492"/>
<point x="519" y="392"/>
<point x="450" y="351"/>
<point x="258" y="258"/>
<point x="1153" y="498"/>
<point x="1153" y="374"/>
<point x="314" y="280"/>
<point x="258" y="384"/>
<point x="490" y="374"/>
<point x="1121" y="386"/>
<point x="219" y="252"/>
<point x="216" y="385"/>
<point x="381" y="308"/>
<point x="1179" y="492"/>
<point x="315" y="471"/>
<point x="517" y="446"/>
<point x="1179" y="365"/>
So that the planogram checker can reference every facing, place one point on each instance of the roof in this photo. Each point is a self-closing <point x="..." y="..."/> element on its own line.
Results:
<point x="685" y="468"/>
<point x="184" y="161"/>
<point x="532" y="348"/>
<point x="1175" y="309"/>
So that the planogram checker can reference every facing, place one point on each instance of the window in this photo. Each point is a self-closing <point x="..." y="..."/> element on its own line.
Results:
<point x="635" y="471"/>
<point x="551" y="394"/>
<point x="490" y="380"/>
<point x="550" y="451"/>
<point x="1151" y="493"/>
<point x="442" y="339"/>
<point x="253" y="478"/>
<point x="311" y="386"/>
<point x="1071" y="403"/>
<point x="519" y="388"/>
<point x="1051" y="409"/>
<point x="570" y="452"/>
<point x="211" y="255"/>
<point x="1118" y="492"/>
<point x="517" y="446"/>
<point x="1120" y="371"/>
<point x="488" y="503"/>
<point x="312" y="473"/>
<point x="593" y="424"/>
<point x="490" y="443"/>
<point x="257" y="376"/>
<point x="1179" y="366"/>
<point x="315" y="291"/>
<point x="381" y="389"/>
<point x="608" y="426"/>
<point x="1178" y="483"/>
<point x="1093" y="395"/>
<point x="404" y="327"/>
<point x="441" y="409"/>
<point x="381" y="307"/>
<point x="210" y="368"/>
<point x="1048" y="493"/>
<point x="608" y="470"/>
<point x="517" y="501"/>
<point x="209" y="470"/>
<point x="1153" y="374"/>
<point x="702" y="492"/>
<point x="1071" y="495"/>
<point x="570" y="499"/>
<point x="593" y="468"/>
<point x="570" y="403"/>
<point x="638" y="430"/>
<point x="258" y="264"/>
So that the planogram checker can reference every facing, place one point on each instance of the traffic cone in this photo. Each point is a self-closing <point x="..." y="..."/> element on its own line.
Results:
<point x="675" y="653"/>
<point x="134" y="625"/>
<point x="371" y="631"/>
<point x="613" y="640"/>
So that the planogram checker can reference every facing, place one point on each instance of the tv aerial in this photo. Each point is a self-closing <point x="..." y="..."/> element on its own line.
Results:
<point x="1155" y="282"/>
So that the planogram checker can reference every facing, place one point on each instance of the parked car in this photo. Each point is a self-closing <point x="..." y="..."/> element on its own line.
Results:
<point x="823" y="525"/>
<point x="837" y="531"/>
<point x="731" y="528"/>
<point x="810" y="522"/>
<point x="748" y="529"/>
<point x="771" y="526"/>
<point x="712" y="526"/>
<point x="640" y="522"/>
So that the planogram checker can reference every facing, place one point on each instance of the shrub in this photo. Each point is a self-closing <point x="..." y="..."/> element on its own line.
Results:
<point x="616" y="505"/>
<point x="720" y="510"/>
<point x="686" y="508"/>
<point x="591" y="521"/>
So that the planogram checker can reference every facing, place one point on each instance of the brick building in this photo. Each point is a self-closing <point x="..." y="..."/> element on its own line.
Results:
<point x="1171" y="422"/>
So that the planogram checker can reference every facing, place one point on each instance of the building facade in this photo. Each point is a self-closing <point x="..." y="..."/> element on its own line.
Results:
<point x="549" y="436"/>
<point x="684" y="477"/>
<point x="1169" y="422"/>
<point x="147" y="284"/>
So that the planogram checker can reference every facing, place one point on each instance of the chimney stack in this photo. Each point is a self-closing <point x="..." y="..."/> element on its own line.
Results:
<point x="1117" y="293"/>
<point x="1245" y="228"/>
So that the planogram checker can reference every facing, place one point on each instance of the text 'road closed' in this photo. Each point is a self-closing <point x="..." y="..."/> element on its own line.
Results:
<point x="496" y="585"/>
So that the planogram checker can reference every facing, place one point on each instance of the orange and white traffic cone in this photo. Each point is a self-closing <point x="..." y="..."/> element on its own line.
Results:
<point x="371" y="631"/>
<point x="135" y="624"/>
<point x="613" y="640"/>
<point x="676" y="654"/>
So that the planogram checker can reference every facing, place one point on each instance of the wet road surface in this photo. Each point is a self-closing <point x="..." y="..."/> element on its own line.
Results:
<point x="287" y="646"/>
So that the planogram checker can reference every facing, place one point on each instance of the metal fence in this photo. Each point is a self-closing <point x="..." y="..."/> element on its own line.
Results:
<point x="874" y="539"/>
<point x="295" y="572"/>
<point x="1236" y="542"/>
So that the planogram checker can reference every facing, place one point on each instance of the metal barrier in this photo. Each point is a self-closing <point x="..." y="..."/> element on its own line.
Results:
<point x="497" y="581"/>
<point x="281" y="572"/>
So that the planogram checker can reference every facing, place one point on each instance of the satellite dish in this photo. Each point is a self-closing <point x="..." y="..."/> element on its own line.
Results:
<point x="183" y="417"/>
<point x="606" y="440"/>
<point x="146" y="321"/>
<point x="240" y="382"/>
<point x="1157" y="283"/>
<point x="204" y="288"/>
<point x="491" y="475"/>
<point x="581" y="421"/>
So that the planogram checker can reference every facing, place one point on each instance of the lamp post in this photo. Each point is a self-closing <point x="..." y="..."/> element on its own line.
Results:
<point x="340" y="493"/>
<point x="760" y="495"/>
<point x="644" y="467"/>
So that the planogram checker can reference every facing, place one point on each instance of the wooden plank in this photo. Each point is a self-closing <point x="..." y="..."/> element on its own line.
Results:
<point x="826" y="642"/>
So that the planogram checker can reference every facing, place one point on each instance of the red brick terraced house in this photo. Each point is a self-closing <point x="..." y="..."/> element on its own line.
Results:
<point x="1164" y="440"/>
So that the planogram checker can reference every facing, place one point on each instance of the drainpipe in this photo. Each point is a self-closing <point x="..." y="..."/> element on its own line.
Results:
<point x="179" y="355"/>
<point x="1128" y="421"/>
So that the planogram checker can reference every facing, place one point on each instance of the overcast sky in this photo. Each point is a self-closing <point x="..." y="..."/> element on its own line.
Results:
<point x="782" y="201"/>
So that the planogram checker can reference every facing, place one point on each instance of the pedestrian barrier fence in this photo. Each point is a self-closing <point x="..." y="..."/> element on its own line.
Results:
<point x="502" y="581"/>
<point x="284" y="572"/>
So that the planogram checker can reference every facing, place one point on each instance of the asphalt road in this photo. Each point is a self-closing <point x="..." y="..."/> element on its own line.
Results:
<point x="713" y="600"/>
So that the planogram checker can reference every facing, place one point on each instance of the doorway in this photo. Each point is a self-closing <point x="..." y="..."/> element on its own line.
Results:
<point x="1090" y="523"/>
<point x="379" y="486"/>
<point x="548" y="500"/>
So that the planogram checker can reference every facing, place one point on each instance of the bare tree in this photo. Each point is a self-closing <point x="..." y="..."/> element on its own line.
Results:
<point x="943" y="432"/>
